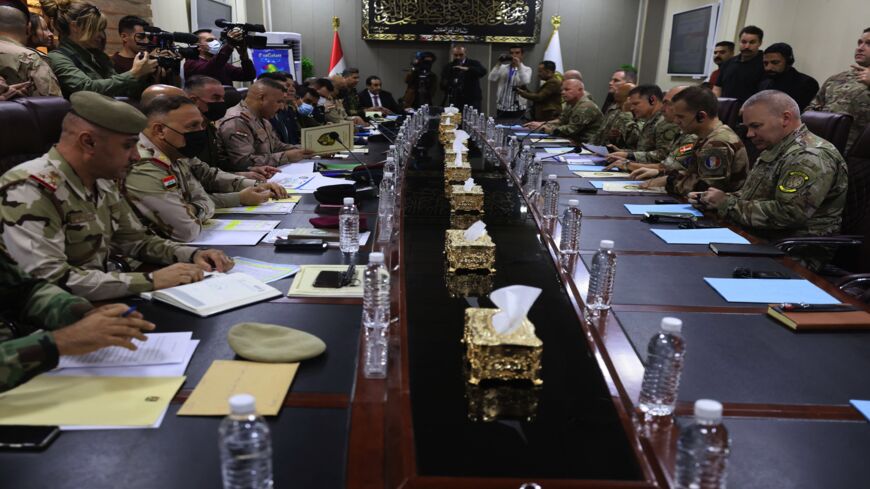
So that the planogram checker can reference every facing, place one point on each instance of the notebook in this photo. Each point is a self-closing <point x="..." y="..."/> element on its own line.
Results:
<point x="823" y="320"/>
<point x="217" y="293"/>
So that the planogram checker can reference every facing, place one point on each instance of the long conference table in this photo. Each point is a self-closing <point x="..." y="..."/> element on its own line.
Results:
<point x="786" y="394"/>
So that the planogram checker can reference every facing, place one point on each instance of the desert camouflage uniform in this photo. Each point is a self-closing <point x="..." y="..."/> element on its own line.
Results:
<point x="579" y="122"/>
<point x="30" y="304"/>
<point x="617" y="128"/>
<point x="655" y="139"/>
<point x="796" y="188"/>
<point x="58" y="230"/>
<point x="845" y="94"/>
<point x="223" y="187"/>
<point x="19" y="64"/>
<point x="166" y="196"/>
<point x="681" y="150"/>
<point x="719" y="160"/>
<point x="246" y="140"/>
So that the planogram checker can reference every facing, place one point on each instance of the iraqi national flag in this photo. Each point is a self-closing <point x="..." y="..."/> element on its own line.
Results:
<point x="336" y="61"/>
<point x="552" y="53"/>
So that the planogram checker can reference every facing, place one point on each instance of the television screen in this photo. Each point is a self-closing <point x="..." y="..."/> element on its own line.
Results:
<point x="690" y="39"/>
<point x="205" y="12"/>
<point x="269" y="60"/>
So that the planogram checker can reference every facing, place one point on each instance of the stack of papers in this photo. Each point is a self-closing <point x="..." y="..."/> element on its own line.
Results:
<point x="228" y="238"/>
<point x="272" y="207"/>
<point x="303" y="283"/>
<point x="770" y="291"/>
<point x="641" y="209"/>
<point x="218" y="293"/>
<point x="702" y="236"/>
<point x="239" y="225"/>
<point x="599" y="184"/>
<point x="263" y="271"/>
<point x="630" y="187"/>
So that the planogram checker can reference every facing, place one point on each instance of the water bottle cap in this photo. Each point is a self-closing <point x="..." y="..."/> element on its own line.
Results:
<point x="388" y="174"/>
<point x="376" y="257"/>
<point x="348" y="201"/>
<point x="606" y="244"/>
<point x="708" y="410"/>
<point x="242" y="404"/>
<point x="392" y="146"/>
<point x="573" y="202"/>
<point x="672" y="325"/>
<point x="551" y="177"/>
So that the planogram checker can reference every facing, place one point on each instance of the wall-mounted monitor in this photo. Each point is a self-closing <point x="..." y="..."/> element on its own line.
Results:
<point x="693" y="34"/>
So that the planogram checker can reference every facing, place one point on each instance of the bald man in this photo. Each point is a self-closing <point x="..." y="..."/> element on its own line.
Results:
<point x="247" y="139"/>
<point x="572" y="75"/>
<point x="580" y="120"/>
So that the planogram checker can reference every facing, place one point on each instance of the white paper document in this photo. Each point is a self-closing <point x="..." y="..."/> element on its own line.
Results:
<point x="161" y="348"/>
<point x="305" y="183"/>
<point x="239" y="225"/>
<point x="267" y="208"/>
<point x="164" y="370"/>
<point x="263" y="271"/>
<point x="217" y="294"/>
<point x="228" y="238"/>
<point x="310" y="233"/>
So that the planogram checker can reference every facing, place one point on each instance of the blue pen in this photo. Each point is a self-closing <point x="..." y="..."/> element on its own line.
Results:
<point x="129" y="311"/>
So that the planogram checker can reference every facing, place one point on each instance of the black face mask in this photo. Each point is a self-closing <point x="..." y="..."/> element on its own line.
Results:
<point x="216" y="111"/>
<point x="194" y="142"/>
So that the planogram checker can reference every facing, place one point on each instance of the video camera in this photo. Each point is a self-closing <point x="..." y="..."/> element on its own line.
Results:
<point x="253" y="42"/>
<point x="423" y="62"/>
<point x="505" y="58"/>
<point x="156" y="38"/>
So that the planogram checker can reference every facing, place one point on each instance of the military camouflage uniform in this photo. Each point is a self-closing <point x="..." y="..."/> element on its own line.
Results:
<point x="166" y="196"/>
<point x="796" y="188"/>
<point x="845" y="94"/>
<point x="579" y="122"/>
<point x="246" y="140"/>
<point x="351" y="103"/>
<point x="719" y="160"/>
<point x="681" y="150"/>
<point x="617" y="128"/>
<point x="655" y="139"/>
<point x="30" y="304"/>
<point x="19" y="64"/>
<point x="223" y="187"/>
<point x="57" y="229"/>
<point x="336" y="112"/>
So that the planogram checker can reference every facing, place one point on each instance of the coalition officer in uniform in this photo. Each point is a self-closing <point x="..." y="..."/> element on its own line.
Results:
<point x="62" y="214"/>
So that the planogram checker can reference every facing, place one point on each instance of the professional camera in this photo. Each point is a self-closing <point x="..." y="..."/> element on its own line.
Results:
<point x="423" y="62"/>
<point x="505" y="58"/>
<point x="253" y="42"/>
<point x="156" y="38"/>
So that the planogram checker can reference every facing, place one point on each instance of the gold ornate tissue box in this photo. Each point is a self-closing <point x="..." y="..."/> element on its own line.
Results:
<point x="463" y="220"/>
<point x="453" y="173"/>
<point x="468" y="284"/>
<point x="512" y="356"/>
<point x="454" y="119"/>
<point x="488" y="403"/>
<point x="466" y="200"/>
<point x="469" y="255"/>
<point x="450" y="156"/>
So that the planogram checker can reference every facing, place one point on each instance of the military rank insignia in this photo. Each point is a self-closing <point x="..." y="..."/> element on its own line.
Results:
<point x="793" y="181"/>
<point x="170" y="182"/>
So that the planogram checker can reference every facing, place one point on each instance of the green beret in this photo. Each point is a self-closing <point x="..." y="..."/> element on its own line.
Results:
<point x="272" y="343"/>
<point x="108" y="113"/>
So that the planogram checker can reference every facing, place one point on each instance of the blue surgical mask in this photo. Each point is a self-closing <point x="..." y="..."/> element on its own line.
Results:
<point x="305" y="109"/>
<point x="214" y="46"/>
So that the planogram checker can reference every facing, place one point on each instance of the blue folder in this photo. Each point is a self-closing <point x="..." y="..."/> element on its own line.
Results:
<point x="862" y="406"/>
<point x="699" y="236"/>
<point x="770" y="291"/>
<point x="641" y="209"/>
<point x="599" y="184"/>
<point x="586" y="168"/>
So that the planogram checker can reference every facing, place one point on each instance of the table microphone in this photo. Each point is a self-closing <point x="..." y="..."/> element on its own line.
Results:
<point x="384" y="134"/>
<point x="373" y="187"/>
<point x="523" y="140"/>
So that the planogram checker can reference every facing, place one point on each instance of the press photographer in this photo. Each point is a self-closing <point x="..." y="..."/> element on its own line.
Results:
<point x="510" y="73"/>
<point x="461" y="80"/>
<point x="137" y="36"/>
<point x="215" y="53"/>
<point x="420" y="81"/>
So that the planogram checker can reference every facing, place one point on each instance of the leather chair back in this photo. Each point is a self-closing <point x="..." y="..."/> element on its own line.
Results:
<point x="21" y="138"/>
<point x="856" y="215"/>
<point x="829" y="126"/>
<point x="231" y="96"/>
<point x="243" y="92"/>
<point x="49" y="113"/>
<point x="729" y="111"/>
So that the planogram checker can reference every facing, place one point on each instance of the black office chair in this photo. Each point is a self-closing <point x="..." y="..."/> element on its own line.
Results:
<point x="729" y="112"/>
<point x="231" y="96"/>
<point x="830" y="126"/>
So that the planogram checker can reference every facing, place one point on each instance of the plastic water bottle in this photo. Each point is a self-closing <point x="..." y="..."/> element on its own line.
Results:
<point x="569" y="244"/>
<point x="376" y="316"/>
<point x="703" y="448"/>
<point x="664" y="365"/>
<point x="390" y="165"/>
<point x="601" y="278"/>
<point x="386" y="208"/>
<point x="534" y="170"/>
<point x="550" y="209"/>
<point x="348" y="227"/>
<point x="245" y="446"/>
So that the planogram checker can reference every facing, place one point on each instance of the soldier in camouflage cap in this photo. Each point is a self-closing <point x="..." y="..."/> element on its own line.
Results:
<point x="62" y="215"/>
<point x="19" y="64"/>
<point x="164" y="187"/>
<point x="580" y="120"/>
<point x="656" y="135"/>
<point x="717" y="159"/>
<point x="798" y="185"/>
<point x="849" y="92"/>
<point x="40" y="321"/>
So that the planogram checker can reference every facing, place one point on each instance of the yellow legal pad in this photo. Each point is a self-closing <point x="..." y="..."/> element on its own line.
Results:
<point x="267" y="382"/>
<point x="89" y="401"/>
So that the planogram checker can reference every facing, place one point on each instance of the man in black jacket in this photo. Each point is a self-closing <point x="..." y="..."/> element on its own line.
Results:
<point x="781" y="75"/>
<point x="375" y="98"/>
<point x="461" y="80"/>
